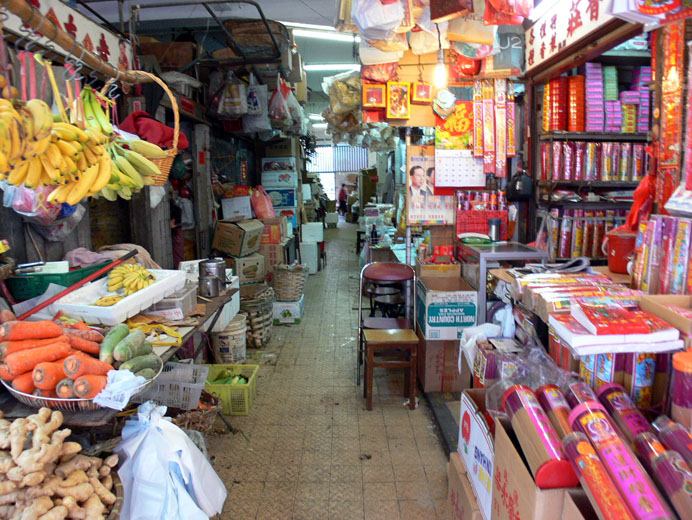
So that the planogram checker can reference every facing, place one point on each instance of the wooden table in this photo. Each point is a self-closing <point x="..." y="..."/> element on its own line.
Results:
<point x="13" y="409"/>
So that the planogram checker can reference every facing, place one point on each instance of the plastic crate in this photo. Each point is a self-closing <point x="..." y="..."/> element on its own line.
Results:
<point x="27" y="286"/>
<point x="179" y="386"/>
<point x="235" y="399"/>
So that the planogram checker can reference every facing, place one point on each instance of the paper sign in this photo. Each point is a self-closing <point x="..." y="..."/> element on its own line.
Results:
<point x="422" y="206"/>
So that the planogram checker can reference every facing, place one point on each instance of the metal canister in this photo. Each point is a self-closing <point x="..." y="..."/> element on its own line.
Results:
<point x="213" y="267"/>
<point x="209" y="286"/>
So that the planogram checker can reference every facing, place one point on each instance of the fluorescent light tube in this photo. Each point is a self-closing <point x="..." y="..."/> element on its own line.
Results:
<point x="332" y="66"/>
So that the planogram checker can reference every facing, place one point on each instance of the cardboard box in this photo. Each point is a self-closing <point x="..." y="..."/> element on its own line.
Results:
<point x="446" y="306"/>
<point x="331" y="218"/>
<point x="273" y="254"/>
<point x="515" y="494"/>
<point x="438" y="366"/>
<point x="476" y="448"/>
<point x="291" y="215"/>
<point x="171" y="55"/>
<point x="289" y="147"/>
<point x="440" y="270"/>
<point x="309" y="254"/>
<point x="462" y="503"/>
<point x="250" y="269"/>
<point x="658" y="306"/>
<point x="236" y="208"/>
<point x="275" y="230"/>
<point x="289" y="312"/>
<point x="313" y="232"/>
<point x="238" y="238"/>
<point x="283" y="196"/>
<point x="279" y="164"/>
<point x="280" y="179"/>
<point x="577" y="506"/>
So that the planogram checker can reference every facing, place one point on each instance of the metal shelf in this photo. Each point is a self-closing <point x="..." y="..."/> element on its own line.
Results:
<point x="587" y="205"/>
<point x="590" y="184"/>
<point x="594" y="260"/>
<point x="595" y="136"/>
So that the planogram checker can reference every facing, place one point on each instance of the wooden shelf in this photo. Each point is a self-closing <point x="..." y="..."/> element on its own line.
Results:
<point x="625" y="58"/>
<point x="591" y="184"/>
<point x="639" y="137"/>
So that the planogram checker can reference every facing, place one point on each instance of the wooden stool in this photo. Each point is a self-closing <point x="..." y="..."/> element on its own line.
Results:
<point x="398" y="341"/>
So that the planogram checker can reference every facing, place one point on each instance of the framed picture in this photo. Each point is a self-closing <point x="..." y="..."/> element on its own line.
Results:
<point x="373" y="96"/>
<point x="398" y="100"/>
<point x="421" y="93"/>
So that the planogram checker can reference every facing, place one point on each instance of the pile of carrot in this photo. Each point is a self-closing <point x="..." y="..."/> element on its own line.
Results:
<point x="46" y="359"/>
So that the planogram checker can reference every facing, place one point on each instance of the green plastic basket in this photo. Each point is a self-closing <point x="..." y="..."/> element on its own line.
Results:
<point x="27" y="286"/>
<point x="235" y="399"/>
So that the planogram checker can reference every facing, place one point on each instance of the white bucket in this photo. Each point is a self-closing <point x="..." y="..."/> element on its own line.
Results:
<point x="230" y="345"/>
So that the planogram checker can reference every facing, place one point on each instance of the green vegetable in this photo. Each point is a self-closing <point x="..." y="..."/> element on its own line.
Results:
<point x="229" y="379"/>
<point x="141" y="362"/>
<point x="114" y="336"/>
<point x="147" y="373"/>
<point x="132" y="346"/>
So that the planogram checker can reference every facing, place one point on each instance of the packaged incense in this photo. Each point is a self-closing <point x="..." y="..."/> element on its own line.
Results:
<point x="568" y="156"/>
<point x="607" y="166"/>
<point x="626" y="162"/>
<point x="566" y="234"/>
<point x="578" y="392"/>
<point x="648" y="447"/>
<point x="662" y="379"/>
<point x="610" y="368"/>
<point x="622" y="410"/>
<point x="668" y="235"/>
<point x="639" y="377"/>
<point x="555" y="230"/>
<point x="674" y="436"/>
<point x="546" y="108"/>
<point x="594" y="478"/>
<point x="624" y="469"/>
<point x="638" y="162"/>
<point x="557" y="162"/>
<point x="641" y="253"/>
<point x="538" y="439"/>
<point x="545" y="161"/>
<point x="556" y="407"/>
<point x="577" y="233"/>
<point x="681" y="256"/>
<point x="579" y="158"/>
<point x="610" y="221"/>
<point x="592" y="162"/>
<point x="598" y="235"/>
<point x="587" y="241"/>
<point x="587" y="369"/>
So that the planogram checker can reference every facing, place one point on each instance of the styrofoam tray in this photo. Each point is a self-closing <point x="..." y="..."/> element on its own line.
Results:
<point x="77" y="304"/>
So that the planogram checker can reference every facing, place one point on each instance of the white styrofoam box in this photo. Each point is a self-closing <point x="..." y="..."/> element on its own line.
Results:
<point x="307" y="192"/>
<point x="229" y="310"/>
<point x="309" y="256"/>
<point x="331" y="218"/>
<point x="78" y="303"/>
<point x="236" y="208"/>
<point x="289" y="312"/>
<point x="313" y="232"/>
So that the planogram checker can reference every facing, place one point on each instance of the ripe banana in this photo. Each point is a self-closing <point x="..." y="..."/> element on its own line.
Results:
<point x="147" y="149"/>
<point x="42" y="118"/>
<point x="140" y="163"/>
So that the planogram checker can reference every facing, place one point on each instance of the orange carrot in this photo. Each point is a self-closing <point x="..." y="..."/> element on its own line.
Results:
<point x="47" y="375"/>
<point x="64" y="388"/>
<point x="76" y="366"/>
<point x="10" y="347"/>
<point x="90" y="335"/>
<point x="16" y="330"/>
<point x="26" y="360"/>
<point x="83" y="344"/>
<point x="88" y="386"/>
<point x="5" y="374"/>
<point x="80" y="325"/>
<point x="24" y="383"/>
<point x="45" y="393"/>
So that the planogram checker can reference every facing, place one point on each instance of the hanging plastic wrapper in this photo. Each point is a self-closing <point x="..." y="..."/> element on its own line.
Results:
<point x="31" y="203"/>
<point x="278" y="108"/>
<point x="256" y="97"/>
<point x="377" y="20"/>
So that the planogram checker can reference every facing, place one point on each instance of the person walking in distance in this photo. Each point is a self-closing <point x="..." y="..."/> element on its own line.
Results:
<point x="343" y="197"/>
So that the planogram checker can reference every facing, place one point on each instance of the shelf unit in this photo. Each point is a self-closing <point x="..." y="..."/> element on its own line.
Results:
<point x="587" y="204"/>
<point x="590" y="184"/>
<point x="637" y="137"/>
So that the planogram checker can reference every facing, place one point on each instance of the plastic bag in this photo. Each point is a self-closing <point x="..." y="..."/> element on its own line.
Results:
<point x="380" y="73"/>
<point x="296" y="112"/>
<point x="371" y="55"/>
<point x="422" y="42"/>
<point x="376" y="20"/>
<point x="262" y="203"/>
<point x="493" y="16"/>
<point x="59" y="230"/>
<point x="519" y="8"/>
<point x="397" y="42"/>
<point x="279" y="115"/>
<point x="164" y="474"/>
<point x="233" y="101"/>
<point x="31" y="204"/>
<point x="256" y="98"/>
<point x="470" y="28"/>
<point x="344" y="92"/>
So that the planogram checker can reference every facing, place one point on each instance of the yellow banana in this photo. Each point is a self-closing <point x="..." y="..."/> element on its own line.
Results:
<point x="104" y="174"/>
<point x="42" y="118"/>
<point x="82" y="163"/>
<point x="143" y="165"/>
<point x="34" y="173"/>
<point x="147" y="149"/>
<point x="126" y="167"/>
<point x="52" y="172"/>
<point x="68" y="148"/>
<point x="82" y="187"/>
<point x="18" y="174"/>
<point x="53" y="155"/>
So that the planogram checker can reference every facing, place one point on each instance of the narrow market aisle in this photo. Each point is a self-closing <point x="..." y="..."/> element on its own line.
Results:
<point x="312" y="450"/>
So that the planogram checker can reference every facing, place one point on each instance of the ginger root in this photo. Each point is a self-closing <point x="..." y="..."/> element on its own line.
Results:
<point x="111" y="461"/>
<point x="76" y="478"/>
<point x="6" y="512"/>
<point x="7" y="486"/>
<point x="107" y="482"/>
<point x="32" y="479"/>
<point x="57" y="513"/>
<point x="6" y="462"/>
<point x="80" y="462"/>
<point x="38" y="507"/>
<point x="92" y="509"/>
<point x="104" y="471"/>
<point x="106" y="496"/>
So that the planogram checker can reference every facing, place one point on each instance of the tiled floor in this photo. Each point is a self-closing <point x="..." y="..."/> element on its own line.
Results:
<point x="312" y="450"/>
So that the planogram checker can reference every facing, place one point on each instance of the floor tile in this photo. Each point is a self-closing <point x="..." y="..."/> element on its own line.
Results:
<point x="382" y="510"/>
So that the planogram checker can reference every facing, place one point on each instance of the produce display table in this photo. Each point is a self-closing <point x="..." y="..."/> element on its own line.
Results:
<point x="13" y="409"/>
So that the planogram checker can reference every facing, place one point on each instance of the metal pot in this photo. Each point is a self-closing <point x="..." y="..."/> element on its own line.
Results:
<point x="209" y="286"/>
<point x="213" y="267"/>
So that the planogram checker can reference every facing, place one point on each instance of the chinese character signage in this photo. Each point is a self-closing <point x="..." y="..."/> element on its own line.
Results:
<point x="563" y="25"/>
<point x="422" y="206"/>
<point x="456" y="132"/>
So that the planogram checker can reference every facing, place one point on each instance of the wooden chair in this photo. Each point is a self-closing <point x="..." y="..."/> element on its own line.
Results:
<point x="400" y="342"/>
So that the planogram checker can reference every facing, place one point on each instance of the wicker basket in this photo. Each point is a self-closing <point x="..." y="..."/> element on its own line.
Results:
<point x="253" y="38"/>
<point x="163" y="164"/>
<point x="119" y="495"/>
<point x="259" y="315"/>
<point x="289" y="282"/>
<point x="201" y="419"/>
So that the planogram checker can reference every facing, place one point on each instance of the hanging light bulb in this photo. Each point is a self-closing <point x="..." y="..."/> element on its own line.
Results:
<point x="440" y="77"/>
